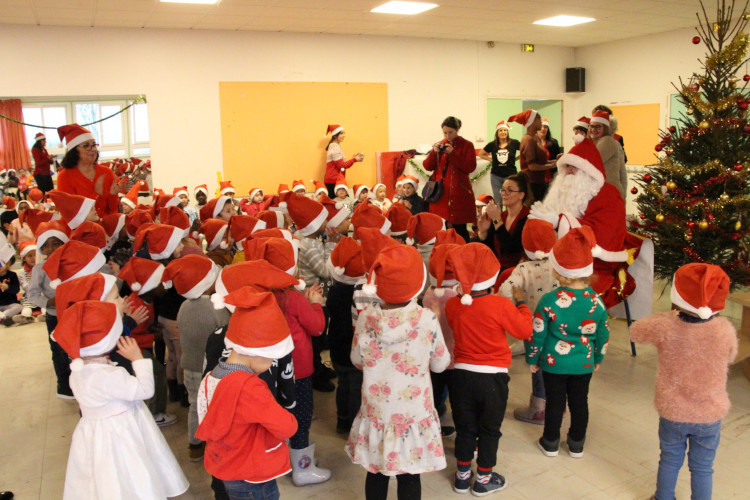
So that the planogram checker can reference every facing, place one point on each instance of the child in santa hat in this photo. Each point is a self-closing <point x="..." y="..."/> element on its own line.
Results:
<point x="569" y="341"/>
<point x="397" y="344"/>
<point x="478" y="386"/>
<point x="243" y="426"/>
<point x="10" y="306"/>
<point x="115" y="427"/>
<point x="378" y="197"/>
<point x="18" y="231"/>
<point x="255" y="203"/>
<point x="410" y="198"/>
<point x="341" y="191"/>
<point x="27" y="252"/>
<point x="361" y="193"/>
<point x="695" y="347"/>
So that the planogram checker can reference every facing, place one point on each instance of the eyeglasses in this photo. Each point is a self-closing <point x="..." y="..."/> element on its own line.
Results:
<point x="508" y="191"/>
<point x="89" y="146"/>
<point x="596" y="127"/>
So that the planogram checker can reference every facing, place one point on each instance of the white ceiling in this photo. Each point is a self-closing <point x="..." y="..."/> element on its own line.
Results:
<point x="483" y="20"/>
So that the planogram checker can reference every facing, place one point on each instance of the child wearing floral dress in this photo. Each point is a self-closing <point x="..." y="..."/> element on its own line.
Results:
<point x="397" y="343"/>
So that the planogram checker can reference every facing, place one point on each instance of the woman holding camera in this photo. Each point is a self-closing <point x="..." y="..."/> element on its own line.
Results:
<point x="452" y="160"/>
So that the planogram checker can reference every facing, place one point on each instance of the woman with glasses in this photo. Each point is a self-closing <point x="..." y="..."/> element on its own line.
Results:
<point x="613" y="156"/>
<point x="82" y="176"/>
<point x="501" y="229"/>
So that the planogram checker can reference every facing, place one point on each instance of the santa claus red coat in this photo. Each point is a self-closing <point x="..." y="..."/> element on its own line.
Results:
<point x="457" y="203"/>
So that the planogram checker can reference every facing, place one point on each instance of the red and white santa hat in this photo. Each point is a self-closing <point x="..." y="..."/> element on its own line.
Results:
<point x="88" y="328"/>
<point x="441" y="271"/>
<point x="423" y="228"/>
<point x="272" y="218"/>
<point x="39" y="136"/>
<point x="254" y="191"/>
<point x="368" y="215"/>
<point x="298" y="186"/>
<point x="166" y="200"/>
<point x="320" y="187"/>
<point x="276" y="232"/>
<point x="141" y="275"/>
<point x="375" y="188"/>
<point x="400" y="180"/>
<point x="215" y="231"/>
<point x="73" y="208"/>
<point x="600" y="117"/>
<point x="334" y="129"/>
<point x="283" y="188"/>
<point x="52" y="229"/>
<point x="73" y="260"/>
<point x="258" y="273"/>
<point x="571" y="255"/>
<point x="358" y="188"/>
<point x="162" y="240"/>
<point x="583" y="122"/>
<point x="92" y="287"/>
<point x="191" y="275"/>
<point x="25" y="247"/>
<point x="372" y="242"/>
<point x="175" y="216"/>
<point x="483" y="200"/>
<point x="136" y="219"/>
<point x="584" y="156"/>
<point x="74" y="135"/>
<point x="8" y="202"/>
<point x="308" y="215"/>
<point x="91" y="233"/>
<point x="280" y="252"/>
<point x="337" y="211"/>
<point x="34" y="216"/>
<point x="257" y="327"/>
<point x="399" y="217"/>
<point x="201" y="189"/>
<point x="225" y="187"/>
<point x="410" y="179"/>
<point x="345" y="261"/>
<point x="475" y="267"/>
<point x="112" y="224"/>
<point x="180" y="190"/>
<point x="213" y="207"/>
<point x="36" y="195"/>
<point x="525" y="118"/>
<point x="449" y="236"/>
<point x="538" y="238"/>
<point x="502" y="124"/>
<point x="242" y="226"/>
<point x="700" y="288"/>
<point x="341" y="184"/>
<point x="545" y="121"/>
<point x="398" y="275"/>
<point x="158" y="192"/>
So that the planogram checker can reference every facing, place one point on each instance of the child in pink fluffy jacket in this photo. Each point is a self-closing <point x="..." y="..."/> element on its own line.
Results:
<point x="695" y="348"/>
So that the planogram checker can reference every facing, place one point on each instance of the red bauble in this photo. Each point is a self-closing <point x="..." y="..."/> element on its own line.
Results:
<point x="667" y="138"/>
<point x="696" y="40"/>
<point x="694" y="87"/>
<point x="690" y="224"/>
<point x="647" y="177"/>
<point x="658" y="147"/>
<point x="746" y="129"/>
<point x="672" y="129"/>
<point x="738" y="167"/>
<point x="746" y="78"/>
<point x="643" y="216"/>
<point x="634" y="191"/>
<point x="743" y="105"/>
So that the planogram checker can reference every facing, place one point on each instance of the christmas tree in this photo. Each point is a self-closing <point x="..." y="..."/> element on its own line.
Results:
<point x="694" y="202"/>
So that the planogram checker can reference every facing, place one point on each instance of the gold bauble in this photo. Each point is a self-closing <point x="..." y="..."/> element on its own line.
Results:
<point x="659" y="218"/>
<point x="703" y="125"/>
<point x="738" y="226"/>
<point x="703" y="224"/>
<point x="724" y="197"/>
<point x="671" y="185"/>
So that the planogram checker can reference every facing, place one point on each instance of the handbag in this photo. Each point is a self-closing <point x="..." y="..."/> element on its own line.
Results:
<point x="433" y="190"/>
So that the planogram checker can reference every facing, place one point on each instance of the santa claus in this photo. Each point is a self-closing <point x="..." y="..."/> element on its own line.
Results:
<point x="580" y="195"/>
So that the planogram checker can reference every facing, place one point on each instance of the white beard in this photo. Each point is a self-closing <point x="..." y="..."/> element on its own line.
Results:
<point x="570" y="194"/>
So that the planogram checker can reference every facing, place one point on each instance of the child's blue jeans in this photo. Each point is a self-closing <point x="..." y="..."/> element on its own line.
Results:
<point x="673" y="441"/>
<point x="242" y="490"/>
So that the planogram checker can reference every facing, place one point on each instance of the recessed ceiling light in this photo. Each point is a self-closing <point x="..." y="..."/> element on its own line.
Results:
<point x="564" y="21"/>
<point x="406" y="8"/>
<point x="202" y="2"/>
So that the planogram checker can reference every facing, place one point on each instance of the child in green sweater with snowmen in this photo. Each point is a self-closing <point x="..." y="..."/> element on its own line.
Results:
<point x="569" y="341"/>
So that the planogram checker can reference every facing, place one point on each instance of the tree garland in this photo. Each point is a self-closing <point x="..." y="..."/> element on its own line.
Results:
<point x="137" y="100"/>
<point x="426" y="174"/>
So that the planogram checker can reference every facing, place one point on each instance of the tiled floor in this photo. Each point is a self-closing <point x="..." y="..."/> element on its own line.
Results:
<point x="621" y="450"/>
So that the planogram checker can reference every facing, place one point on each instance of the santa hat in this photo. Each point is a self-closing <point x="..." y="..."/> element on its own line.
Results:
<point x="584" y="156"/>
<point x="423" y="228"/>
<point x="538" y="238"/>
<point x="51" y="229"/>
<point x="337" y="211"/>
<point x="320" y="187"/>
<point x="254" y="191"/>
<point x="92" y="287"/>
<point x="345" y="261"/>
<point x="283" y="188"/>
<point x="525" y="118"/>
<point x="400" y="180"/>
<point x="483" y="200"/>
<point x="298" y="186"/>
<point x="600" y="117"/>
<point x="257" y="327"/>
<point x="158" y="192"/>
<point x="700" y="288"/>
<point x="25" y="247"/>
<point x="39" y="136"/>
<point x="372" y="241"/>
<point x="91" y="233"/>
<point x="475" y="268"/>
<point x="190" y="275"/>
<point x="368" y="215"/>
<point x="375" y="188"/>
<point x="141" y="275"/>
<point x="213" y="208"/>
<point x="112" y="224"/>
<point x="34" y="216"/>
<point x="7" y="251"/>
<point x="502" y="124"/>
<point x="9" y="203"/>
<point x="449" y="236"/>
<point x="583" y="122"/>
<point x="279" y="252"/>
<point x="273" y="202"/>
<point x="272" y="218"/>
<point x="441" y="270"/>
<point x="165" y="201"/>
<point x="571" y="255"/>
<point x="89" y="328"/>
<point x="242" y="226"/>
<point x="72" y="260"/>
<point x="162" y="240"/>
<point x="214" y="230"/>
<point x="341" y="184"/>
<point x="226" y="187"/>
<point x="175" y="216"/>
<point x="36" y="195"/>
<point x="410" y="179"/>
<point x="399" y="216"/>
<point x="258" y="273"/>
<point x="73" y="208"/>
<point x="74" y="135"/>
<point x="398" y="275"/>
<point x="131" y="199"/>
<point x="276" y="233"/>
<point x="545" y="122"/>
<point x="180" y="190"/>
<point x="334" y="129"/>
<point x="201" y="189"/>
<point x="308" y="215"/>
<point x="136" y="219"/>
<point x="358" y="188"/>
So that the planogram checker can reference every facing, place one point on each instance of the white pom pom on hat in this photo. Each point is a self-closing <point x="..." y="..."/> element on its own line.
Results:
<point x="578" y="138"/>
<point x="705" y="312"/>
<point x="301" y="285"/>
<point x="135" y="286"/>
<point x="439" y="292"/>
<point x="55" y="283"/>
<point x="218" y="301"/>
<point x="76" y="365"/>
<point x="369" y="289"/>
<point x="467" y="299"/>
<point x="540" y="254"/>
<point x="223" y="245"/>
<point x="167" y="284"/>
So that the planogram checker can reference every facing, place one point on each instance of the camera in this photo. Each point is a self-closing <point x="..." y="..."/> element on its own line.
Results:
<point x="442" y="147"/>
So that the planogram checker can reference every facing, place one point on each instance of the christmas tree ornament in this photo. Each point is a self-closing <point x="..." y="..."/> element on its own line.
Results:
<point x="634" y="191"/>
<point x="746" y="129"/>
<point x="742" y="105"/>
<point x="738" y="167"/>
<point x="703" y="225"/>
<point x="659" y="218"/>
<point x="696" y="40"/>
<point x="689" y="235"/>
<point x="694" y="87"/>
<point x="737" y="226"/>
<point x="647" y="178"/>
<point x="703" y="125"/>
<point x="667" y="138"/>
<point x="672" y="129"/>
<point x="658" y="147"/>
<point x="690" y="110"/>
<point x="671" y="185"/>
<point x="690" y="224"/>
<point x="746" y="78"/>
<point x="724" y="197"/>
<point x="642" y="216"/>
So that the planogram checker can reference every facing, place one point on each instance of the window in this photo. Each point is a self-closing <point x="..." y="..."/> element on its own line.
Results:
<point x="47" y="115"/>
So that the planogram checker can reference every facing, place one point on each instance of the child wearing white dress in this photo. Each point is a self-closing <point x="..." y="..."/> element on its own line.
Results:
<point x="117" y="451"/>
<point x="397" y="344"/>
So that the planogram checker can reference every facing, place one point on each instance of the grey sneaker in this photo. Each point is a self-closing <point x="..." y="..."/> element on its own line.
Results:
<point x="462" y="485"/>
<point x="496" y="483"/>
<point x="20" y="319"/>
<point x="575" y="448"/>
<point x="549" y="449"/>
<point x="164" y="419"/>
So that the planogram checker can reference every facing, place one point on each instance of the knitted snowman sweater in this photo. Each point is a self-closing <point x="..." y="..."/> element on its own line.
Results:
<point x="570" y="332"/>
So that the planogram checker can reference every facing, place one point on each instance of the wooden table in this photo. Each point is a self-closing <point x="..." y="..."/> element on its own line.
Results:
<point x="743" y="352"/>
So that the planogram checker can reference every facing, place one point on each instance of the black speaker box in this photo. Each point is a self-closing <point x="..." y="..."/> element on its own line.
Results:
<point x="575" y="79"/>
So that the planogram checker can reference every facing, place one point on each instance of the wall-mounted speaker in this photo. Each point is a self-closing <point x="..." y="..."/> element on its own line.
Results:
<point x="575" y="79"/>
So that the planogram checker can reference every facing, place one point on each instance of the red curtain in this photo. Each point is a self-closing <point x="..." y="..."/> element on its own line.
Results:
<point x="13" y="150"/>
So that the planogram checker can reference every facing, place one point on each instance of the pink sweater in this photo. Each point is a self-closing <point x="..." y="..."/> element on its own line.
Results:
<point x="691" y="380"/>
<point x="437" y="305"/>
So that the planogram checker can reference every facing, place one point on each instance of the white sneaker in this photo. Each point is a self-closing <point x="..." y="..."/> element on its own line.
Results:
<point x="164" y="419"/>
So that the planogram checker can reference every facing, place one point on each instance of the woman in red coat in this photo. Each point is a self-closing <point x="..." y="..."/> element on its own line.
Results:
<point x="457" y="203"/>
<point x="335" y="162"/>
<point x="42" y="163"/>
